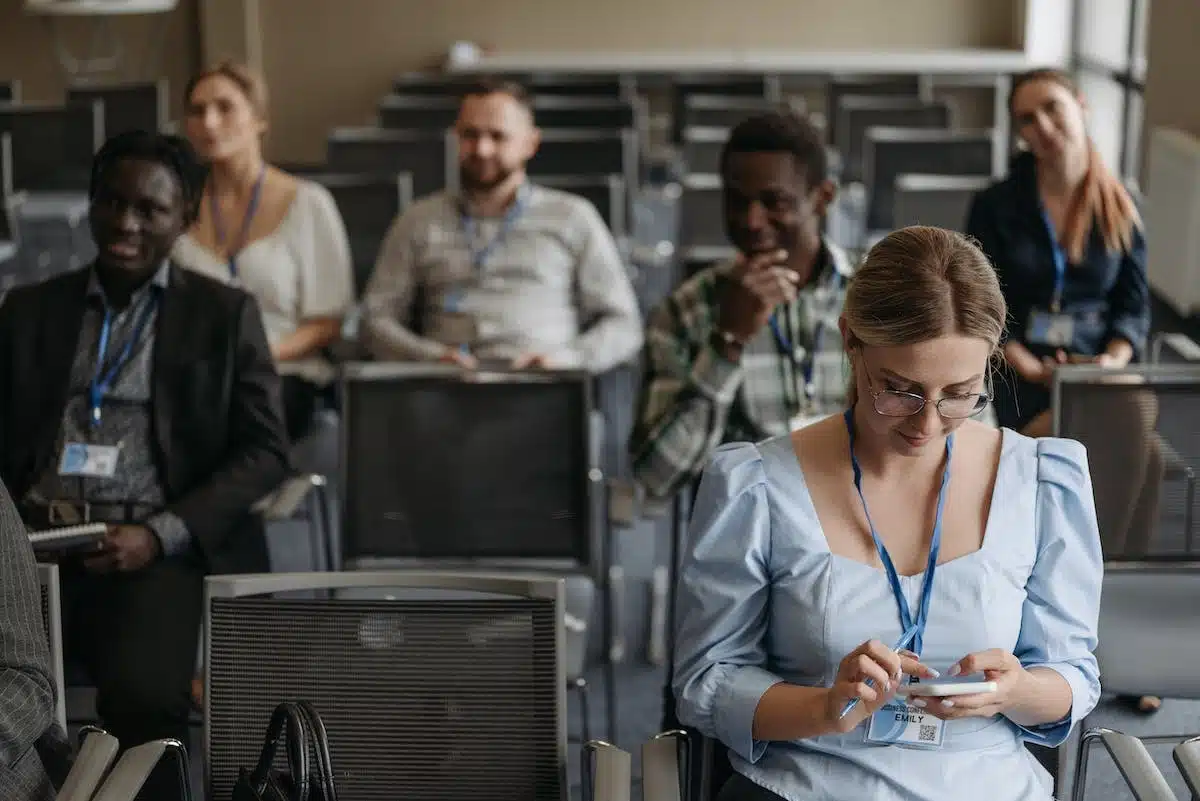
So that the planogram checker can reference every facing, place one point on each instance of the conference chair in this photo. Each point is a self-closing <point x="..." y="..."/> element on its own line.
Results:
<point x="587" y="152"/>
<point x="857" y="113"/>
<point x="52" y="146"/>
<point x="449" y="686"/>
<point x="890" y="152"/>
<point x="431" y="84"/>
<point x="418" y="112"/>
<point x="864" y="86"/>
<point x="51" y="606"/>
<point x="127" y="107"/>
<point x="1149" y="589"/>
<point x="724" y="111"/>
<point x="1137" y="767"/>
<point x="589" y="113"/>
<point x="1187" y="758"/>
<point x="613" y="87"/>
<point x="702" y="236"/>
<point x="767" y="89"/>
<point x="135" y="766"/>
<point x="939" y="200"/>
<point x="701" y="148"/>
<point x="1138" y="425"/>
<point x="422" y="154"/>
<point x="97" y="752"/>
<point x="368" y="203"/>
<point x="606" y="192"/>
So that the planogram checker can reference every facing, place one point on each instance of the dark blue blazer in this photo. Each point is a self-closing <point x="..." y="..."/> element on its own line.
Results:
<point x="1107" y="292"/>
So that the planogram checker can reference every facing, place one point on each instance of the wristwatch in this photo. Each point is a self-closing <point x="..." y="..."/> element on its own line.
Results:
<point x="726" y="344"/>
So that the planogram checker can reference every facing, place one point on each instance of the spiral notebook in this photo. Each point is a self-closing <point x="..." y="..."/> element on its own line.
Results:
<point x="68" y="538"/>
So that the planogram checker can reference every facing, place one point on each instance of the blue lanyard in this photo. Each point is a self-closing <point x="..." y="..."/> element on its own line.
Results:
<point x="251" y="210"/>
<point x="789" y="351"/>
<point x="1060" y="262"/>
<point x="479" y="257"/>
<point x="102" y="379"/>
<point x="906" y="619"/>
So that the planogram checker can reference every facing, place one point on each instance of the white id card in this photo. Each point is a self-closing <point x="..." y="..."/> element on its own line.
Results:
<point x="93" y="461"/>
<point x="897" y="723"/>
<point x="1048" y="328"/>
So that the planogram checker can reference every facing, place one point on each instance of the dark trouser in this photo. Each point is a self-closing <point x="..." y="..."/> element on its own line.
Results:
<point x="136" y="635"/>
<point x="739" y="788"/>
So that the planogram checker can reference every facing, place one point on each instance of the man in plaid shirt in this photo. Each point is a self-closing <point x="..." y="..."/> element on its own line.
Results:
<point x="748" y="349"/>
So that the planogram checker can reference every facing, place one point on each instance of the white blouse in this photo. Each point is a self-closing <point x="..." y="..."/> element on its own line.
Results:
<point x="301" y="271"/>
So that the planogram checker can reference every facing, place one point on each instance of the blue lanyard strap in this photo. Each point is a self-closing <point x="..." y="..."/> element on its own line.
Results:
<point x="102" y="378"/>
<point x="479" y="257"/>
<point x="906" y="618"/>
<point x="788" y="351"/>
<point x="251" y="210"/>
<point x="1060" y="262"/>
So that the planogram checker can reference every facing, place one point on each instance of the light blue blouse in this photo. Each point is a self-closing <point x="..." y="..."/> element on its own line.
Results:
<point x="762" y="599"/>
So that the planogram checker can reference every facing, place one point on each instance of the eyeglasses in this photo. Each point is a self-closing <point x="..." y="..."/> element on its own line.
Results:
<point x="894" y="403"/>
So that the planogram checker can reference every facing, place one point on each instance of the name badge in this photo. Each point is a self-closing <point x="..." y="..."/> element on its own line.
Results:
<point x="1047" y="328"/>
<point x="92" y="461"/>
<point x="897" y="723"/>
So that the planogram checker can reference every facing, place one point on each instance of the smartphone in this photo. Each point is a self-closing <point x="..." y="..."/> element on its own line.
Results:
<point x="940" y="688"/>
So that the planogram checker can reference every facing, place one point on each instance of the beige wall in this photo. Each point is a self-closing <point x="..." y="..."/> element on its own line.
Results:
<point x="27" y="48"/>
<point x="329" y="61"/>
<point x="1173" y="64"/>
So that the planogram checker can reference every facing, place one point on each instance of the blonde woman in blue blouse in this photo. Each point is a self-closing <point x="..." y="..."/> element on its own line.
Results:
<point x="812" y="554"/>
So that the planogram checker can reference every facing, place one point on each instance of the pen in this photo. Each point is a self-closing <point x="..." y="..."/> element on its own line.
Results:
<point x="901" y="643"/>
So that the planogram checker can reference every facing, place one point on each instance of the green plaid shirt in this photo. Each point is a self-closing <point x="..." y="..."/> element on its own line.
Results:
<point x="693" y="399"/>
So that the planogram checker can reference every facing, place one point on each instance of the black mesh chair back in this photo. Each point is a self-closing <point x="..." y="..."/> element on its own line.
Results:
<point x="422" y="154"/>
<point x="52" y="146"/>
<point x="613" y="87"/>
<point x="938" y="200"/>
<point x="432" y="85"/>
<point x="595" y="113"/>
<point x="587" y="152"/>
<point x="891" y="152"/>
<point x="431" y="685"/>
<point x="702" y="215"/>
<point x="605" y="192"/>
<point x="51" y="606"/>
<point x="866" y="86"/>
<point x="128" y="107"/>
<point x="857" y="114"/>
<point x="1143" y="439"/>
<point x="722" y="111"/>
<point x="505" y="474"/>
<point x="369" y="204"/>
<point x="418" y="112"/>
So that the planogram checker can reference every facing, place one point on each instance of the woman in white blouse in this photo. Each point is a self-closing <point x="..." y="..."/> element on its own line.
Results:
<point x="277" y="236"/>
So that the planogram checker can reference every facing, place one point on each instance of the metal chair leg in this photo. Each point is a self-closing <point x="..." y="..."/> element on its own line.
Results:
<point x="585" y="722"/>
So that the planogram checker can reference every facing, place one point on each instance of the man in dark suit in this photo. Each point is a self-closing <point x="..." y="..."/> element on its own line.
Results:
<point x="142" y="396"/>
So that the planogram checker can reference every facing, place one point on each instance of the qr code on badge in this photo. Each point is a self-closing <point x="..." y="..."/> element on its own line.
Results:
<point x="927" y="734"/>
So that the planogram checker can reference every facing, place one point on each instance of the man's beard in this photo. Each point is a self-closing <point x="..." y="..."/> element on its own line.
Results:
<point x="470" y="183"/>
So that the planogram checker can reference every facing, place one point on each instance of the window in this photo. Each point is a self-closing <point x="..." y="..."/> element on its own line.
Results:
<point x="1109" y="58"/>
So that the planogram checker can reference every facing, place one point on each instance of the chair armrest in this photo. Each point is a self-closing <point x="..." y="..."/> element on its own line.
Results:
<point x="286" y="499"/>
<point x="1187" y="758"/>
<point x="1133" y="761"/>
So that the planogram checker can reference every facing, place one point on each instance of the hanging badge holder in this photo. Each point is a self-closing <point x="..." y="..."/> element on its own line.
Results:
<point x="1052" y="327"/>
<point x="896" y="722"/>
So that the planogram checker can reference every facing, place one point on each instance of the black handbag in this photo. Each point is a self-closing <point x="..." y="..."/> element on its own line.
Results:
<point x="300" y="727"/>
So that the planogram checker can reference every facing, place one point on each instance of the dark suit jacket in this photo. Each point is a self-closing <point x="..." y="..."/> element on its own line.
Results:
<point x="217" y="415"/>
